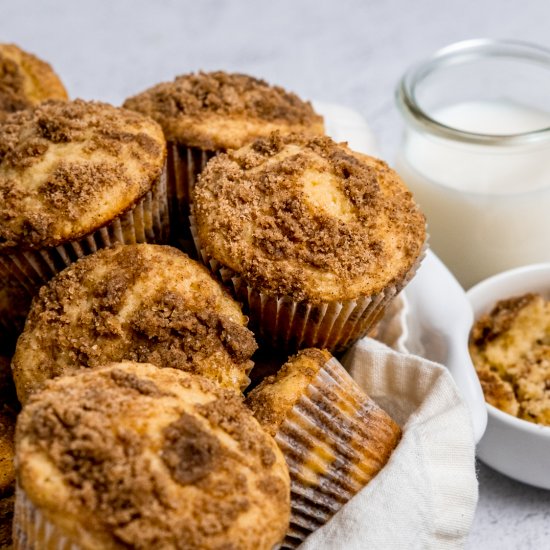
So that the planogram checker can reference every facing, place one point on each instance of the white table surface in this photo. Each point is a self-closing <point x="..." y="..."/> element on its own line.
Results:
<point x="348" y="52"/>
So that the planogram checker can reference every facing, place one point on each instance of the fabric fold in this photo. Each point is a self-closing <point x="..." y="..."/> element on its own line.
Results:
<point x="426" y="495"/>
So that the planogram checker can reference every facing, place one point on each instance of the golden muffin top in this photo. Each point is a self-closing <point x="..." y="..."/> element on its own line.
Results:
<point x="146" y="303"/>
<point x="8" y="413"/>
<point x="25" y="80"/>
<point x="277" y="394"/>
<point x="307" y="217"/>
<point x="510" y="348"/>
<point x="68" y="168"/>
<point x="221" y="110"/>
<point x="133" y="456"/>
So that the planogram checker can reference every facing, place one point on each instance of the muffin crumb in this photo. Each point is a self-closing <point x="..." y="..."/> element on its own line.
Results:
<point x="510" y="348"/>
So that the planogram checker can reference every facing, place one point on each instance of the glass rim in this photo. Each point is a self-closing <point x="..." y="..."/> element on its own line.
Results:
<point x="463" y="52"/>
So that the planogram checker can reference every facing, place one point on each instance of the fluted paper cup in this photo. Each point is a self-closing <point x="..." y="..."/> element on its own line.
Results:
<point x="184" y="166"/>
<point x="32" y="530"/>
<point x="281" y="322"/>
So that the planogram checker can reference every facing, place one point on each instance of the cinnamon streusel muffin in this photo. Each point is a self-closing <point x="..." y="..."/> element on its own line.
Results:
<point x="133" y="456"/>
<point x="313" y="238"/>
<point x="510" y="348"/>
<point x="204" y="113"/>
<point x="8" y="412"/>
<point x="25" y="80"/>
<point x="75" y="177"/>
<point x="335" y="439"/>
<point x="143" y="303"/>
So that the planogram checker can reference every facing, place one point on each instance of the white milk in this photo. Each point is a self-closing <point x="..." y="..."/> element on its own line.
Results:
<point x="488" y="207"/>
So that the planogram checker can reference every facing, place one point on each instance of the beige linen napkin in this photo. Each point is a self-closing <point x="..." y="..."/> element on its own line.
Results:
<point x="426" y="495"/>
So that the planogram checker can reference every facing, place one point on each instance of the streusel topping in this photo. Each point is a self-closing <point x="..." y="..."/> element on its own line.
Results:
<point x="307" y="217"/>
<point x="221" y="110"/>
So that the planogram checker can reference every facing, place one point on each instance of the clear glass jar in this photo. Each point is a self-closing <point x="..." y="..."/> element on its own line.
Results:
<point x="476" y="154"/>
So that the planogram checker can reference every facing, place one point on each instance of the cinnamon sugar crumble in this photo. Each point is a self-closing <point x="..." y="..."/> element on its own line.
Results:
<point x="218" y="92"/>
<point x="143" y="386"/>
<point x="12" y="97"/>
<point x="9" y="408"/>
<point x="501" y="318"/>
<point x="190" y="452"/>
<point x="258" y="192"/>
<point x="227" y="412"/>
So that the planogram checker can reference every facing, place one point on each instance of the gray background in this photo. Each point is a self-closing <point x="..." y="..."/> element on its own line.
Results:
<point x="347" y="52"/>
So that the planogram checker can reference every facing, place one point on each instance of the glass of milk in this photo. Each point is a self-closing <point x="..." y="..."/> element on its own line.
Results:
<point x="476" y="154"/>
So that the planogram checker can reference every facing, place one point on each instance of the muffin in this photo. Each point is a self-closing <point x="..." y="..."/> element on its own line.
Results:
<point x="74" y="177"/>
<point x="8" y="412"/>
<point x="335" y="439"/>
<point x="133" y="456"/>
<point x="510" y="348"/>
<point x="313" y="238"/>
<point x="144" y="303"/>
<point x="204" y="113"/>
<point x="25" y="81"/>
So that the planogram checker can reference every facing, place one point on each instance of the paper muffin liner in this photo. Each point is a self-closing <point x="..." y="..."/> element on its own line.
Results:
<point x="146" y="222"/>
<point x="283" y="323"/>
<point x="335" y="440"/>
<point x="33" y="531"/>
<point x="184" y="166"/>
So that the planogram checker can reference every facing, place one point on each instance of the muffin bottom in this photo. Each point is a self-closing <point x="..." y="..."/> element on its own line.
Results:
<point x="282" y="323"/>
<point x="33" y="531"/>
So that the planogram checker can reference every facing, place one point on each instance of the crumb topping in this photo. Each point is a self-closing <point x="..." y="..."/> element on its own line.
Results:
<point x="499" y="320"/>
<point x="192" y="105"/>
<point x="227" y="413"/>
<point x="510" y="348"/>
<point x="190" y="452"/>
<point x="68" y="168"/>
<point x="145" y="469"/>
<point x="25" y="80"/>
<point x="309" y="218"/>
<point x="144" y="303"/>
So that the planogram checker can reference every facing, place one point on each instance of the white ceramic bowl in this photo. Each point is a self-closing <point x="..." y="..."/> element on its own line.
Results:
<point x="514" y="447"/>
